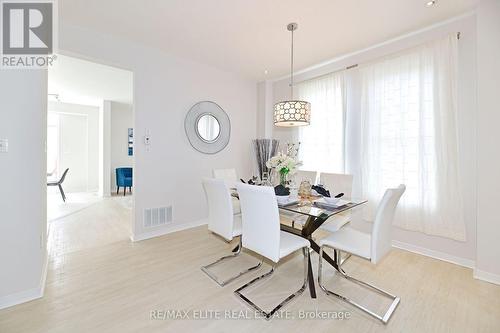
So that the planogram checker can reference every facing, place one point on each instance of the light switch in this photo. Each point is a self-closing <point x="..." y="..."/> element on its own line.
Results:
<point x="4" y="145"/>
<point x="147" y="140"/>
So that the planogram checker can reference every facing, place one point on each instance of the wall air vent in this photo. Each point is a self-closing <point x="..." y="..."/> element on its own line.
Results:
<point x="154" y="217"/>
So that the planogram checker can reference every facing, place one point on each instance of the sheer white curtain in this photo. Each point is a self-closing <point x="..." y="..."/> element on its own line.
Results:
<point x="409" y="135"/>
<point x="322" y="142"/>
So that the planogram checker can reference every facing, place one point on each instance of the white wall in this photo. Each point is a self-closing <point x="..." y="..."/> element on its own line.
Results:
<point x="488" y="162"/>
<point x="122" y="118"/>
<point x="265" y="103"/>
<point x="105" y="148"/>
<point x="165" y="88"/>
<point x="23" y="121"/>
<point x="462" y="252"/>
<point x="92" y="114"/>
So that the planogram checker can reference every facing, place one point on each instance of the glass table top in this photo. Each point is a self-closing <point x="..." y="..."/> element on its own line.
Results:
<point x="309" y="208"/>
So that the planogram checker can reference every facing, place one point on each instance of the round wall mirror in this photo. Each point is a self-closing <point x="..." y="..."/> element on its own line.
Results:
<point x="207" y="127"/>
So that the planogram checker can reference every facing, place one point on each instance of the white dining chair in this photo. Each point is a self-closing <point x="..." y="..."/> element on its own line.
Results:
<point x="228" y="175"/>
<point x="301" y="175"/>
<point x="223" y="222"/>
<point x="337" y="183"/>
<point x="262" y="235"/>
<point x="372" y="247"/>
<point x="230" y="178"/>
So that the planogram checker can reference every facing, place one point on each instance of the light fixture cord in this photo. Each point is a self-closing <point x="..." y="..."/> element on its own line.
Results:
<point x="291" y="71"/>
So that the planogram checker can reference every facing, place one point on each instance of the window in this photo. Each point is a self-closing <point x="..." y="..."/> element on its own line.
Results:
<point x="409" y="136"/>
<point x="402" y="130"/>
<point x="322" y="142"/>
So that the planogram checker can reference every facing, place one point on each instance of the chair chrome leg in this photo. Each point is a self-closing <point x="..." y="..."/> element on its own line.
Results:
<point x="269" y="315"/>
<point x="383" y="318"/>
<point x="62" y="193"/>
<point x="235" y="254"/>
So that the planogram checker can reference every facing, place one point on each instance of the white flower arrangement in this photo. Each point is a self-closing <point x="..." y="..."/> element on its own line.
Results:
<point x="283" y="163"/>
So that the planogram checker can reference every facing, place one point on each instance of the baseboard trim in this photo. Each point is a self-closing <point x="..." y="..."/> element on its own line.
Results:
<point x="434" y="254"/>
<point x="486" y="276"/>
<point x="20" y="297"/>
<point x="27" y="295"/>
<point x="167" y="230"/>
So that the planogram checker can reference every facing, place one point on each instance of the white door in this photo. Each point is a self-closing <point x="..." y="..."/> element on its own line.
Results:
<point x="74" y="151"/>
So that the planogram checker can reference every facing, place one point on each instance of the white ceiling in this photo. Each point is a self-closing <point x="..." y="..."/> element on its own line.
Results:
<point x="249" y="36"/>
<point x="82" y="82"/>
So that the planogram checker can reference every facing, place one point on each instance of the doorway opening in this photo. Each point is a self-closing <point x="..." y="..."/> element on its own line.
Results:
<point x="90" y="140"/>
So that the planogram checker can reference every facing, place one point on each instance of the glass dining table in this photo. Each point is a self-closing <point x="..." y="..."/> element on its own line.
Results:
<point x="316" y="215"/>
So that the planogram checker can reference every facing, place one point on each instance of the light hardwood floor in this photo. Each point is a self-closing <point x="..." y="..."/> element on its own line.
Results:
<point x="98" y="281"/>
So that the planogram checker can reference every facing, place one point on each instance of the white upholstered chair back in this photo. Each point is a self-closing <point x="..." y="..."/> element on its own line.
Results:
<point x="337" y="183"/>
<point x="260" y="220"/>
<point x="228" y="175"/>
<point x="220" y="207"/>
<point x="382" y="226"/>
<point x="302" y="175"/>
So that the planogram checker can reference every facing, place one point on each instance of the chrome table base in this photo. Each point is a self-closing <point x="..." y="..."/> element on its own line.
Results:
<point x="269" y="315"/>
<point x="234" y="255"/>
<point x="383" y="318"/>
<point x="311" y="225"/>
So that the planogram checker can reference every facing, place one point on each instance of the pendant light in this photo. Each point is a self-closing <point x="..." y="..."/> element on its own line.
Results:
<point x="293" y="112"/>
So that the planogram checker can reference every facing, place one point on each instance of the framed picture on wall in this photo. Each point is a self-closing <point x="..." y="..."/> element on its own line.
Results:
<point x="130" y="142"/>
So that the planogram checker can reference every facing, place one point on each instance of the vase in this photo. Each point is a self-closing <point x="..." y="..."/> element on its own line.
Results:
<point x="283" y="177"/>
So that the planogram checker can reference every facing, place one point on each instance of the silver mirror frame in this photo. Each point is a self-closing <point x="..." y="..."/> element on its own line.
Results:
<point x="199" y="110"/>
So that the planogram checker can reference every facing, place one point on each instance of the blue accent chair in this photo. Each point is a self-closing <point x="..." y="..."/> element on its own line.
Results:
<point x="123" y="179"/>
